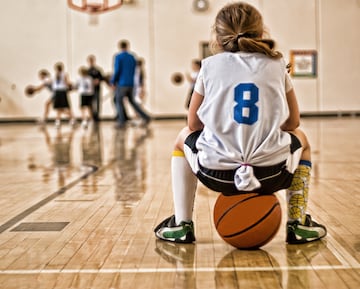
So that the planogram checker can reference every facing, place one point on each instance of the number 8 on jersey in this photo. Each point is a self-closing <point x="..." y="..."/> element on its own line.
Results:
<point x="246" y="96"/>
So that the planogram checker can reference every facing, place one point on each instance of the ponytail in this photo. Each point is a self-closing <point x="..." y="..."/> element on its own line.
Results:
<point x="264" y="46"/>
<point x="239" y="27"/>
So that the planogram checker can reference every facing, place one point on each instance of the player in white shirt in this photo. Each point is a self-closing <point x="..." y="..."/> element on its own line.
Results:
<point x="60" y="86"/>
<point x="242" y="134"/>
<point x="85" y="87"/>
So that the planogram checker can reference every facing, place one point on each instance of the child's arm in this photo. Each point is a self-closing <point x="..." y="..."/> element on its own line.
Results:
<point x="194" y="123"/>
<point x="68" y="82"/>
<point x="39" y="87"/>
<point x="293" y="121"/>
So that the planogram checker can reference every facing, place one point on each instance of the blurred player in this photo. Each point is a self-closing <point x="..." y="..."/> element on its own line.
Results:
<point x="96" y="74"/>
<point x="46" y="82"/>
<point x="85" y="87"/>
<point x="61" y="85"/>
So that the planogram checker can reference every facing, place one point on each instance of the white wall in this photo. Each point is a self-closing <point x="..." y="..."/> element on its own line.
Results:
<point x="340" y="58"/>
<point x="33" y="36"/>
<point x="293" y="25"/>
<point x="167" y="34"/>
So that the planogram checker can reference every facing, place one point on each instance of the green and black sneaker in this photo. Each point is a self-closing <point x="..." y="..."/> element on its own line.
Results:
<point x="297" y="233"/>
<point x="168" y="230"/>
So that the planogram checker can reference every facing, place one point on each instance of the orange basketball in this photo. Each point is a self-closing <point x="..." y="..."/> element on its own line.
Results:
<point x="247" y="221"/>
<point x="177" y="78"/>
<point x="29" y="90"/>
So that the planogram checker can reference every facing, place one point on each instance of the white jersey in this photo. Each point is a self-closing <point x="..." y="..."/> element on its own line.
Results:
<point x="59" y="82"/>
<point x="84" y="85"/>
<point x="137" y="77"/>
<point x="243" y="108"/>
<point x="47" y="83"/>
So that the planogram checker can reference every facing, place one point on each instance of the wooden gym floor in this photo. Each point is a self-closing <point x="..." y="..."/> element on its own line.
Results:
<point x="77" y="210"/>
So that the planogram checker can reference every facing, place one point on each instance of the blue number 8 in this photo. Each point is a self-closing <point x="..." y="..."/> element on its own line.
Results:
<point x="246" y="97"/>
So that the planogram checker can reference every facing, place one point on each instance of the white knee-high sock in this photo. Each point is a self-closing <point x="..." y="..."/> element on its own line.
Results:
<point x="184" y="186"/>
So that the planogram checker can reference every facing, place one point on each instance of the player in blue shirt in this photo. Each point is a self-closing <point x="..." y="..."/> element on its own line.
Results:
<point x="123" y="80"/>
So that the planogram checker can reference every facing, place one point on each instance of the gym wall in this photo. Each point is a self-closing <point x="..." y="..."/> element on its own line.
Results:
<point x="168" y="34"/>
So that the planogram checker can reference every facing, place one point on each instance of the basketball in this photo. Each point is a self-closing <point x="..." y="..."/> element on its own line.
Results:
<point x="247" y="221"/>
<point x="177" y="78"/>
<point x="29" y="90"/>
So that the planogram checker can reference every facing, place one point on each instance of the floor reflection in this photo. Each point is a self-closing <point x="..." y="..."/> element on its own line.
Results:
<point x="130" y="165"/>
<point x="60" y="153"/>
<point x="182" y="256"/>
<point x="266" y="271"/>
<point x="244" y="268"/>
<point x="71" y="153"/>
<point x="302" y="256"/>
<point x="91" y="146"/>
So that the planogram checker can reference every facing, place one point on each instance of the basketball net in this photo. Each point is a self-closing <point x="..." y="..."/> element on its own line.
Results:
<point x="93" y="19"/>
<point x="94" y="7"/>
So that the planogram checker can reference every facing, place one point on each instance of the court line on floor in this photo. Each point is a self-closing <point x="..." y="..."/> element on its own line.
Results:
<point x="92" y="169"/>
<point x="46" y="200"/>
<point x="173" y="270"/>
<point x="343" y="256"/>
<point x="340" y="252"/>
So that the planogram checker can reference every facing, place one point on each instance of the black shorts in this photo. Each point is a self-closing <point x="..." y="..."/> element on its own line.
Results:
<point x="86" y="100"/>
<point x="272" y="178"/>
<point x="60" y="99"/>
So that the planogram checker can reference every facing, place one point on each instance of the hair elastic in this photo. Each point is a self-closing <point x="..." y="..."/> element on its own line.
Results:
<point x="240" y="35"/>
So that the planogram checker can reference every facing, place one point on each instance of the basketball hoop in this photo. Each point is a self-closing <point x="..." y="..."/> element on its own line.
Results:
<point x="94" y="6"/>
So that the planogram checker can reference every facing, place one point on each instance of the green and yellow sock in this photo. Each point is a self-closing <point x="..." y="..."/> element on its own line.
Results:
<point x="297" y="193"/>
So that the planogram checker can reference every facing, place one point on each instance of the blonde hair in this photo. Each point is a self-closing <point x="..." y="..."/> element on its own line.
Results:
<point x="239" y="27"/>
<point x="83" y="71"/>
<point x="59" y="66"/>
<point x="44" y="73"/>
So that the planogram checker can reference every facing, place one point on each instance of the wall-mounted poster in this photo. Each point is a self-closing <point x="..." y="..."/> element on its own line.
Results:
<point x="205" y="49"/>
<point x="303" y="63"/>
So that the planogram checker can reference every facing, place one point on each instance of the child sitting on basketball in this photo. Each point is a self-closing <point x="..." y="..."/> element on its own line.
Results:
<point x="242" y="134"/>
